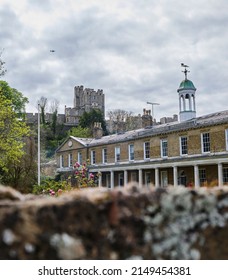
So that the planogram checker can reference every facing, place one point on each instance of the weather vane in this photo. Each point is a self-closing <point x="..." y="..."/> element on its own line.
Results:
<point x="185" y="70"/>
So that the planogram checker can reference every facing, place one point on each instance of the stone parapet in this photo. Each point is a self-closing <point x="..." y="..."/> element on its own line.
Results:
<point x="125" y="223"/>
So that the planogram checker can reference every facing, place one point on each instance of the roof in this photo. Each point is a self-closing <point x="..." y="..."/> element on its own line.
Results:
<point x="82" y="141"/>
<point x="203" y="121"/>
<point x="186" y="84"/>
<point x="162" y="129"/>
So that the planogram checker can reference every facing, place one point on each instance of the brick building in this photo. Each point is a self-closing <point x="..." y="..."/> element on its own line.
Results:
<point x="191" y="152"/>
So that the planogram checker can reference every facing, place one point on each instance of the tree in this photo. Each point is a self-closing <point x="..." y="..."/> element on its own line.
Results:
<point x="80" y="132"/>
<point x="118" y="115"/>
<point x="2" y="70"/>
<point x="121" y="120"/>
<point x="88" y="119"/>
<point x="22" y="174"/>
<point x="18" y="101"/>
<point x="54" y="110"/>
<point x="12" y="133"/>
<point x="42" y="103"/>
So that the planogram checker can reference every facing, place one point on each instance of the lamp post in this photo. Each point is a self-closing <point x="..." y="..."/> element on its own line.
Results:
<point x="38" y="152"/>
<point x="152" y="103"/>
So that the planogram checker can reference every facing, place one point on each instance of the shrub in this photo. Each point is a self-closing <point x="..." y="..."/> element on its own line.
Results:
<point x="52" y="188"/>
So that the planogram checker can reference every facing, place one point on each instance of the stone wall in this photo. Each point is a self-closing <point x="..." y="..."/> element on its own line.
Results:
<point x="127" y="223"/>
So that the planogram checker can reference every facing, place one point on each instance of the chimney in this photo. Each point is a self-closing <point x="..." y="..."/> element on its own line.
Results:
<point x="97" y="130"/>
<point x="146" y="118"/>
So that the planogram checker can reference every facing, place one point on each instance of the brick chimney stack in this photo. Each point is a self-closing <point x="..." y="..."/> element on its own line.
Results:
<point x="146" y="118"/>
<point x="97" y="130"/>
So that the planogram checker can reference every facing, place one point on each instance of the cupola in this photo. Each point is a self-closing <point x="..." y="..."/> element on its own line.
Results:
<point x="186" y="90"/>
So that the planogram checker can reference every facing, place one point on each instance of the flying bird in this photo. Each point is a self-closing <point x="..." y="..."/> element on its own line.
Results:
<point x="52" y="50"/>
<point x="184" y="65"/>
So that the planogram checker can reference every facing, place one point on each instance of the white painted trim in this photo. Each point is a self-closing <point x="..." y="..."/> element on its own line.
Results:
<point x="161" y="147"/>
<point x="70" y="160"/>
<point x="61" y="161"/>
<point x="201" y="135"/>
<point x="117" y="149"/>
<point x="226" y="135"/>
<point x="103" y="157"/>
<point x="144" y="150"/>
<point x="180" y="145"/>
<point x="129" y="152"/>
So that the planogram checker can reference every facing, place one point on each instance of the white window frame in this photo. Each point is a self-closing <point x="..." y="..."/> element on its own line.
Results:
<point x="202" y="176"/>
<point x="203" y="143"/>
<point x="80" y="158"/>
<point x="93" y="157"/>
<point x="117" y="154"/>
<point x="164" y="178"/>
<point x="121" y="179"/>
<point x="225" y="175"/>
<point x="104" y="155"/>
<point x="162" y="150"/>
<point x="108" y="180"/>
<point x="226" y="136"/>
<point x="146" y="150"/>
<point x="181" y="146"/>
<point x="70" y="160"/>
<point x="61" y="161"/>
<point x="147" y="178"/>
<point x="131" y="152"/>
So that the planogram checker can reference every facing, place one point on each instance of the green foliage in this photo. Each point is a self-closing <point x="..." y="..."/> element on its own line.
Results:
<point x="54" y="122"/>
<point x="79" y="131"/>
<point x="2" y="63"/>
<point x="12" y="132"/>
<point x="18" y="101"/>
<point x="52" y="188"/>
<point x="84" y="178"/>
<point x="88" y="119"/>
<point x="22" y="174"/>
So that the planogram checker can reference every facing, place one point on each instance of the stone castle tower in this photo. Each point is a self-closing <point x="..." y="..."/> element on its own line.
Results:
<point x="84" y="101"/>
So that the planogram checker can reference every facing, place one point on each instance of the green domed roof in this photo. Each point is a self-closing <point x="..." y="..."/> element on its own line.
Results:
<point x="186" y="84"/>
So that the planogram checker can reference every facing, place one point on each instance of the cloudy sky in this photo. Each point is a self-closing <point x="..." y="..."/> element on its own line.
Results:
<point x="129" y="48"/>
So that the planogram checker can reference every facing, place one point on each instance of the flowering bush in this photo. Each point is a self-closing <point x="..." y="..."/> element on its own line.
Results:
<point x="84" y="177"/>
<point x="52" y="188"/>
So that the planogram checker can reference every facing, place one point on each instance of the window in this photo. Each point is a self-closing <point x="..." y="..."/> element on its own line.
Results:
<point x="133" y="177"/>
<point x="93" y="157"/>
<point x="131" y="152"/>
<point x="104" y="155"/>
<point x="164" y="148"/>
<point x="183" y="145"/>
<point x="205" y="142"/>
<point x="108" y="180"/>
<point x="226" y="131"/>
<point x="70" y="160"/>
<point x="117" y="154"/>
<point x="225" y="175"/>
<point x="202" y="176"/>
<point x="79" y="157"/>
<point x="146" y="150"/>
<point x="147" y="178"/>
<point x="61" y="161"/>
<point x="120" y="179"/>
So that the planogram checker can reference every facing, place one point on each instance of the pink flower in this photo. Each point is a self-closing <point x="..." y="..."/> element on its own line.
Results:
<point x="91" y="175"/>
<point x="52" y="192"/>
<point x="76" y="165"/>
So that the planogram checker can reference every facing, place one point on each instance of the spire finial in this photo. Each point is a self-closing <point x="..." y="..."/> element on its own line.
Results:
<point x="185" y="70"/>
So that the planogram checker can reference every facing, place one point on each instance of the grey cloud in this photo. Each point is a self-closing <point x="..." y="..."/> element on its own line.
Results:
<point x="134" y="59"/>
